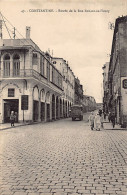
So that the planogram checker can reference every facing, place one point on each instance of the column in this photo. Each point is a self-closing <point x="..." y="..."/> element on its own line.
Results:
<point x="45" y="111"/>
<point x="39" y="109"/>
<point x="50" y="107"/>
<point x="58" y="108"/>
<point x="30" y="106"/>
<point x="55" y="108"/>
<point x="11" y="66"/>
<point x="2" y="68"/>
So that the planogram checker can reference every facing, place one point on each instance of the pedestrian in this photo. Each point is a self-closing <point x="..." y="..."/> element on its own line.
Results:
<point x="112" y="118"/>
<point x="97" y="122"/>
<point x="12" y="118"/>
<point x="100" y="112"/>
<point x="91" y="120"/>
<point x="16" y="117"/>
<point x="109" y="117"/>
<point x="104" y="115"/>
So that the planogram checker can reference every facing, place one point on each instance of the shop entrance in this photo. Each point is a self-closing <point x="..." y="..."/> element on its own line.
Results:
<point x="35" y="110"/>
<point x="10" y="105"/>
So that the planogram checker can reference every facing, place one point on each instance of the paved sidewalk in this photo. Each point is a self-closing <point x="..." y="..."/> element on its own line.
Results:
<point x="108" y="126"/>
<point x="4" y="126"/>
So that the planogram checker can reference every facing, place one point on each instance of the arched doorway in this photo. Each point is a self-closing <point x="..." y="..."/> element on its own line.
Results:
<point x="48" y="106"/>
<point x="57" y="107"/>
<point x="66" y="109"/>
<point x="42" y="99"/>
<point x="35" y="104"/>
<point x="61" y="108"/>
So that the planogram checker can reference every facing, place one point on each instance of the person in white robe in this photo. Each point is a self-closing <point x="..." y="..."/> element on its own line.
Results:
<point x="97" y="122"/>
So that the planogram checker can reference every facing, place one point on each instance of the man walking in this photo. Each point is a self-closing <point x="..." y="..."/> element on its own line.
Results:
<point x="112" y="118"/>
<point x="12" y="118"/>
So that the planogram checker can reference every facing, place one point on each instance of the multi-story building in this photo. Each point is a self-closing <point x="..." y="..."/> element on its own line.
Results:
<point x="118" y="72"/>
<point x="105" y="86"/>
<point x="89" y="103"/>
<point x="68" y="83"/>
<point x="78" y="95"/>
<point x="30" y="84"/>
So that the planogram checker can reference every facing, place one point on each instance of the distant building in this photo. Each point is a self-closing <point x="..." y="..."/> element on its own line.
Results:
<point x="89" y="103"/>
<point x="68" y="83"/>
<point x="78" y="95"/>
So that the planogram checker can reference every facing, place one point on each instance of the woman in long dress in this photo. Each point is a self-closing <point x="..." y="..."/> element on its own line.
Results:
<point x="91" y="120"/>
<point x="97" y="122"/>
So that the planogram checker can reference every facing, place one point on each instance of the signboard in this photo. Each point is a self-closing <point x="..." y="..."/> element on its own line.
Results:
<point x="125" y="83"/>
<point x="24" y="102"/>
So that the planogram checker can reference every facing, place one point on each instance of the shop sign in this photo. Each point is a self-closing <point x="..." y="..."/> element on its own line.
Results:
<point x="24" y="102"/>
<point x="125" y="83"/>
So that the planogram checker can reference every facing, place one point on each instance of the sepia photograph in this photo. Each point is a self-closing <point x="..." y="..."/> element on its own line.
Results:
<point x="63" y="97"/>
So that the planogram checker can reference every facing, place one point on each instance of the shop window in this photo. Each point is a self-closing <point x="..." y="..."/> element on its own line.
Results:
<point x="11" y="92"/>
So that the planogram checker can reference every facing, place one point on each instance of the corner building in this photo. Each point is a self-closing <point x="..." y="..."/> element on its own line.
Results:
<point x="30" y="85"/>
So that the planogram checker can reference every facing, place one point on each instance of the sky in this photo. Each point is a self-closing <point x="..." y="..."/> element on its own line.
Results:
<point x="73" y="30"/>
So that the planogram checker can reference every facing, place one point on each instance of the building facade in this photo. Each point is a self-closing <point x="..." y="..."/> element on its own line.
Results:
<point x="68" y="83"/>
<point x="117" y="75"/>
<point x="30" y="85"/>
<point x="89" y="103"/>
<point x="78" y="95"/>
<point x="105" y="86"/>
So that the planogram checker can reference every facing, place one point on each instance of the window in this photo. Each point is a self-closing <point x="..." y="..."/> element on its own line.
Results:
<point x="16" y="65"/>
<point x="35" y="59"/>
<point x="54" y="62"/>
<point x="6" y="64"/>
<point x="11" y="92"/>
<point x="42" y="65"/>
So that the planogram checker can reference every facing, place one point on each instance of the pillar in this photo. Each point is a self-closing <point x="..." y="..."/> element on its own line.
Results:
<point x="39" y="109"/>
<point x="50" y="107"/>
<point x="58" y="108"/>
<point x="11" y="66"/>
<point x="55" y="108"/>
<point x="45" y="111"/>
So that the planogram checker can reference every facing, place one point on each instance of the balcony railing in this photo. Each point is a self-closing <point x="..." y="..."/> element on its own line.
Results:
<point x="21" y="73"/>
<point x="25" y="73"/>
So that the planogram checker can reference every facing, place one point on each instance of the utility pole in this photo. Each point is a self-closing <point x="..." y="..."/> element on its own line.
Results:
<point x="14" y="33"/>
<point x="0" y="27"/>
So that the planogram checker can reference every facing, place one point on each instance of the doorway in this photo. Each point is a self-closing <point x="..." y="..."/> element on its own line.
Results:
<point x="35" y="110"/>
<point x="10" y="105"/>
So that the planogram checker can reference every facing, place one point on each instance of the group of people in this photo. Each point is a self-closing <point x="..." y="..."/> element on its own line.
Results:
<point x="96" y="121"/>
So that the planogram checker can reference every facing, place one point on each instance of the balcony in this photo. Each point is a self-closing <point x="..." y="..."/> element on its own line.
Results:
<point x="21" y="74"/>
<point x="27" y="73"/>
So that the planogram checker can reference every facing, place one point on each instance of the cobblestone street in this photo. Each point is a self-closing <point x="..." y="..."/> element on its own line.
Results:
<point x="62" y="158"/>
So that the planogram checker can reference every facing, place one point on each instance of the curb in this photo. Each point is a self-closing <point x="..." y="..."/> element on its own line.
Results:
<point x="20" y="125"/>
<point x="119" y="128"/>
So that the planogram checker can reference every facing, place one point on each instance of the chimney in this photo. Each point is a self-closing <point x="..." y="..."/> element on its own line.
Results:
<point x="27" y="32"/>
